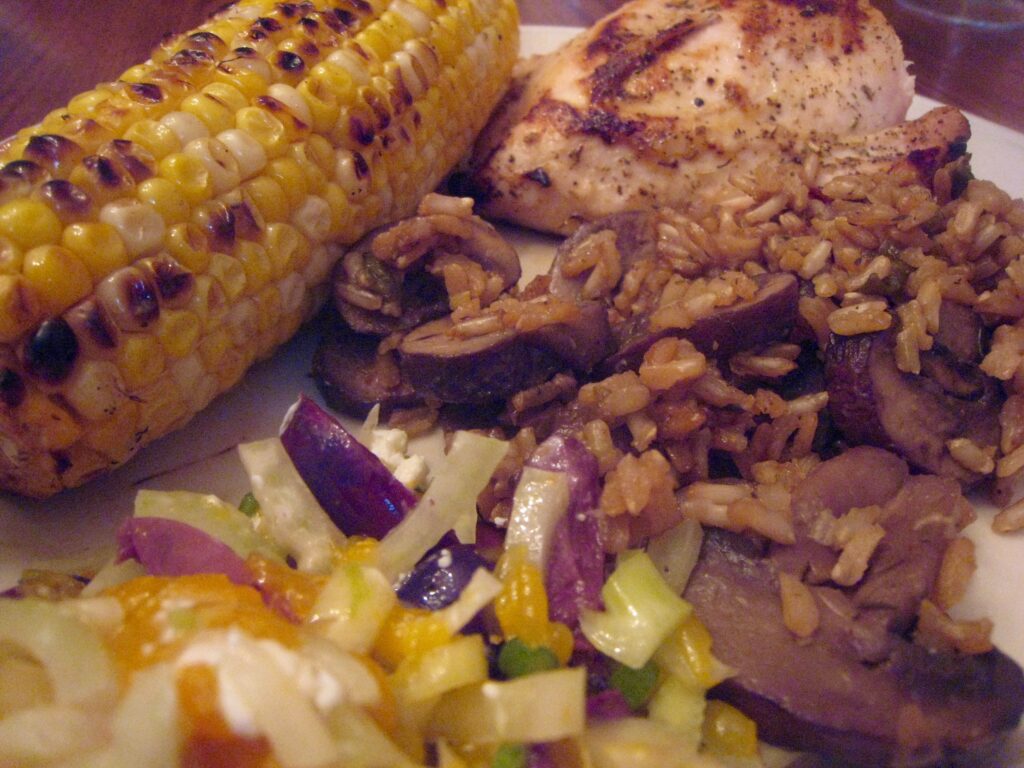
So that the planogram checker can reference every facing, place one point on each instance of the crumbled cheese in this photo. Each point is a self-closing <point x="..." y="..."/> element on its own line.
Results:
<point x="312" y="679"/>
<point x="391" y="446"/>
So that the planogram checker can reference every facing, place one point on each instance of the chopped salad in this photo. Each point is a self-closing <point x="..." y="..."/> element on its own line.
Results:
<point x="337" y="616"/>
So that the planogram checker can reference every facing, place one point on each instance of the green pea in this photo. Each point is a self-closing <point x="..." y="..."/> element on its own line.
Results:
<point x="516" y="658"/>
<point x="510" y="756"/>
<point x="248" y="505"/>
<point x="635" y="685"/>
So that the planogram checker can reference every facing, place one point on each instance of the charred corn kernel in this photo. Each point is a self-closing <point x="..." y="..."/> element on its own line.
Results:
<point x="98" y="245"/>
<point x="140" y="359"/>
<point x="265" y="128"/>
<point x="28" y="223"/>
<point x="96" y="390"/>
<point x="153" y="136"/>
<point x="190" y="175"/>
<point x="58" y="277"/>
<point x="407" y="633"/>
<point x="52" y="426"/>
<point x="20" y="307"/>
<point x="728" y="732"/>
<point x="287" y="172"/>
<point x="522" y="606"/>
<point x="178" y="331"/>
<point x="255" y="263"/>
<point x="166" y="198"/>
<point x="249" y="161"/>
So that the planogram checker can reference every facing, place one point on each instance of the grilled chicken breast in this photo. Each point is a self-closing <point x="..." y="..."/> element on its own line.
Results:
<point x="663" y="98"/>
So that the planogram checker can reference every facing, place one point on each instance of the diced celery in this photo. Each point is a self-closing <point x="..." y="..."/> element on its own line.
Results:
<point x="641" y="610"/>
<point x="540" y="501"/>
<point x="453" y="665"/>
<point x="470" y="462"/>
<point x="680" y="705"/>
<point x="352" y="606"/>
<point x="545" y="706"/>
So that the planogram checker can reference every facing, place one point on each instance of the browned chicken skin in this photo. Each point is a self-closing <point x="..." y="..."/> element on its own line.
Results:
<point x="665" y="98"/>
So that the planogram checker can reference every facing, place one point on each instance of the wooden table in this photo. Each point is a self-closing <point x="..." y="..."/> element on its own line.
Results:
<point x="52" y="49"/>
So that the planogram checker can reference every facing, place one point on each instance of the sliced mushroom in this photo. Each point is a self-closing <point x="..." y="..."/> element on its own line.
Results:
<point x="436" y="359"/>
<point x="353" y="377"/>
<point x="475" y="369"/>
<point x="636" y="238"/>
<point x="914" y="707"/>
<point x="873" y="402"/>
<point x="389" y="282"/>
<point x="767" y="316"/>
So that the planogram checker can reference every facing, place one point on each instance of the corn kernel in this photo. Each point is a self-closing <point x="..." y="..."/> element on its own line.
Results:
<point x="727" y="731"/>
<point x="694" y="642"/>
<point x="178" y="331"/>
<point x="341" y="210"/>
<point x="187" y="243"/>
<point x="216" y="115"/>
<point x="190" y="174"/>
<point x="213" y="347"/>
<point x="165" y="198"/>
<point x="98" y="245"/>
<point x="230" y="273"/>
<point x="86" y="103"/>
<point x="268" y="319"/>
<point x="58" y="277"/>
<point x="140" y="359"/>
<point x="162" y="407"/>
<point x="323" y="104"/>
<point x="265" y="128"/>
<point x="255" y="262"/>
<point x="116" y="436"/>
<point x="209" y="302"/>
<point x="269" y="198"/>
<point x="20" y="307"/>
<point x="28" y="223"/>
<point x="287" y="248"/>
<point x="10" y="257"/>
<point x="287" y="172"/>
<point x="245" y="81"/>
<point x="52" y="426"/>
<point x="156" y="138"/>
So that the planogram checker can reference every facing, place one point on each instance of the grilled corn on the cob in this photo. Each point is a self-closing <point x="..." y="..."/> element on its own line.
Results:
<point x="162" y="232"/>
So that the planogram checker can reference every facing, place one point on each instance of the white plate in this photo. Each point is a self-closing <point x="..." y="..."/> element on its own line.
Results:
<point x="78" y="526"/>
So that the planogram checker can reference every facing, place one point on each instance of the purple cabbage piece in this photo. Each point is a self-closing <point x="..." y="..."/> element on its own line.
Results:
<point x="439" y="578"/>
<point x="608" y="704"/>
<point x="359" y="493"/>
<point x="171" y="548"/>
<point x="576" y="568"/>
